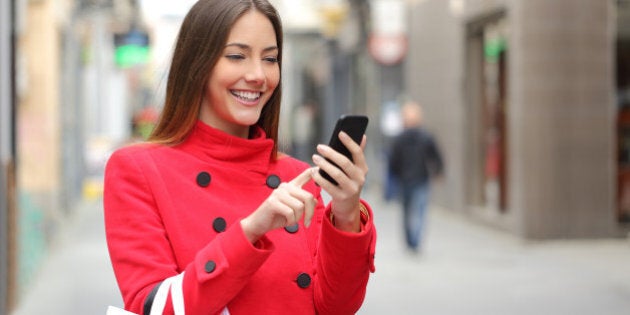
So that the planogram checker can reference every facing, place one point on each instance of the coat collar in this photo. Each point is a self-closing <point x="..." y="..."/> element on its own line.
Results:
<point x="213" y="144"/>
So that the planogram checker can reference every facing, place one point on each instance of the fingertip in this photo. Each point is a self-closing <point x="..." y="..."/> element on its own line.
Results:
<point x="303" y="178"/>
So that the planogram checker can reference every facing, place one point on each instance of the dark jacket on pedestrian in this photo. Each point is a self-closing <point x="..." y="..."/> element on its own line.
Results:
<point x="415" y="157"/>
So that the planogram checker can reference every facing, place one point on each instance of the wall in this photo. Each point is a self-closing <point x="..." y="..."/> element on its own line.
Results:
<point x="563" y="118"/>
<point x="37" y="135"/>
<point x="7" y="178"/>
<point x="560" y="115"/>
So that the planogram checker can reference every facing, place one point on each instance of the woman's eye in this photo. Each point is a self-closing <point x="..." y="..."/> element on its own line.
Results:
<point x="271" y="59"/>
<point x="235" y="57"/>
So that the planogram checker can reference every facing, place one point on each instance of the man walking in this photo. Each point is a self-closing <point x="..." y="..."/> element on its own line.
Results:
<point x="414" y="161"/>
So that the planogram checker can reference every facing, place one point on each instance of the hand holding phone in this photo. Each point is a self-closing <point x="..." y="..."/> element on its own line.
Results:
<point x="354" y="126"/>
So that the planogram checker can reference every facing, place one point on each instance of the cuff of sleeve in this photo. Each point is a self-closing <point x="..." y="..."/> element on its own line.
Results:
<point x="232" y="251"/>
<point x="348" y="242"/>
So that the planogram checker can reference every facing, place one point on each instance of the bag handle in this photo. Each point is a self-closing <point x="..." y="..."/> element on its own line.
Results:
<point x="174" y="285"/>
<point x="177" y="294"/>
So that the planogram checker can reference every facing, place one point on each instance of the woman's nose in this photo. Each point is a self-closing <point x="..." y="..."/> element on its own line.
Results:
<point x="255" y="73"/>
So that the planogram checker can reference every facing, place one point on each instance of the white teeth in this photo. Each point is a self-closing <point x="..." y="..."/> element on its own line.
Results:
<point x="249" y="96"/>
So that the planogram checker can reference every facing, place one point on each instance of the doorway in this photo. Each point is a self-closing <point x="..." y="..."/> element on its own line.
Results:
<point x="487" y="74"/>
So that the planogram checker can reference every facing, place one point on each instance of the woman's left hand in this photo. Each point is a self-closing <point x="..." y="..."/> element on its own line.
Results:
<point x="351" y="178"/>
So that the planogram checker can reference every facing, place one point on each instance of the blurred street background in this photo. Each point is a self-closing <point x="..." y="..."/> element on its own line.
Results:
<point x="529" y="101"/>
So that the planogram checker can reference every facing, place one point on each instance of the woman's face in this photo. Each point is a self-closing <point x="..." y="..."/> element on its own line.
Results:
<point x="244" y="77"/>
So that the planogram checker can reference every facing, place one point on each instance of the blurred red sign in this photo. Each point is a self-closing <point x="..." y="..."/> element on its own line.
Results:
<point x="388" y="49"/>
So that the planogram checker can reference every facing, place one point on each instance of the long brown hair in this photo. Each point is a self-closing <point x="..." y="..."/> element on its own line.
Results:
<point x="200" y="43"/>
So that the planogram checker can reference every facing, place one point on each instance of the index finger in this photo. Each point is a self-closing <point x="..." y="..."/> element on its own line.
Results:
<point x="303" y="178"/>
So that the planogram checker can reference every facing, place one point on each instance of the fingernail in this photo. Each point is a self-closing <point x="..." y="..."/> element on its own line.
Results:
<point x="321" y="147"/>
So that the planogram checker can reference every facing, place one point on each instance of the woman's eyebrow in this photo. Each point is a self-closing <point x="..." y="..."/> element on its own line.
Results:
<point x="247" y="47"/>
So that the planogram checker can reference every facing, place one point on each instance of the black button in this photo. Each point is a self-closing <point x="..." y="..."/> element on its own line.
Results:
<point x="303" y="280"/>
<point x="210" y="266"/>
<point x="273" y="181"/>
<point x="203" y="179"/>
<point x="219" y="224"/>
<point x="292" y="228"/>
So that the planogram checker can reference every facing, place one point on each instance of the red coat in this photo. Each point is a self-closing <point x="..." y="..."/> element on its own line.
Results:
<point x="175" y="209"/>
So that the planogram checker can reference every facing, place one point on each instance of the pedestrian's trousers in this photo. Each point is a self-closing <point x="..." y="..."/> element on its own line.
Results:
<point x="415" y="200"/>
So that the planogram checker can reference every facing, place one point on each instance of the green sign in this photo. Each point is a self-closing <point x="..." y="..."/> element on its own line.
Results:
<point x="493" y="48"/>
<point x="131" y="55"/>
<point x="132" y="48"/>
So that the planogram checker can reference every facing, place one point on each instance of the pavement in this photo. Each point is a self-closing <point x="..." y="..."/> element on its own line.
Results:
<point x="77" y="277"/>
<point x="464" y="268"/>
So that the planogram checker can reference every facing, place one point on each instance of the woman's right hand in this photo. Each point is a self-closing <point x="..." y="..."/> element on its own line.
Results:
<point x="284" y="207"/>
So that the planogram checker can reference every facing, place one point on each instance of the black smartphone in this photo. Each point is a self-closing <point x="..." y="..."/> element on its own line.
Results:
<point x="354" y="126"/>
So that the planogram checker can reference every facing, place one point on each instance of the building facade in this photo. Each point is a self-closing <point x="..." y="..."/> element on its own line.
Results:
<point x="523" y="97"/>
<point x="7" y="155"/>
<point x="55" y="109"/>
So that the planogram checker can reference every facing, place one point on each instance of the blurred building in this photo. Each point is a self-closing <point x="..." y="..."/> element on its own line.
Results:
<point x="326" y="69"/>
<point x="524" y="97"/>
<point x="65" y="94"/>
<point x="7" y="154"/>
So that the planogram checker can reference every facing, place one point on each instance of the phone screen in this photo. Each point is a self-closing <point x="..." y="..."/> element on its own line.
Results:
<point x="354" y="126"/>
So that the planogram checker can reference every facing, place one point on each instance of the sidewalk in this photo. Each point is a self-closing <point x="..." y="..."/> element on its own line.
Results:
<point x="77" y="278"/>
<point x="466" y="269"/>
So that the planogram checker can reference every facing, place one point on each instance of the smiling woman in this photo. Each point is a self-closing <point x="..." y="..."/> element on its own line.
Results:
<point x="244" y="78"/>
<point x="195" y="59"/>
<point x="209" y="200"/>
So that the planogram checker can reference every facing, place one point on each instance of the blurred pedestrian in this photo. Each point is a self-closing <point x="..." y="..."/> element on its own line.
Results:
<point x="210" y="200"/>
<point x="414" y="161"/>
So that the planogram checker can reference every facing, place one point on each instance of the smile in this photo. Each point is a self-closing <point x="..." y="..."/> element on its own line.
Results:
<point x="246" y="96"/>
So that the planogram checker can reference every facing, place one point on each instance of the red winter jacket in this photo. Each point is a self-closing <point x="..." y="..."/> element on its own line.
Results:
<point x="170" y="209"/>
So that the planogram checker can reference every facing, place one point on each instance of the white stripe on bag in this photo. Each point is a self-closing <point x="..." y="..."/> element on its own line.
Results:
<point x="159" y="301"/>
<point x="175" y="284"/>
<point x="177" y="294"/>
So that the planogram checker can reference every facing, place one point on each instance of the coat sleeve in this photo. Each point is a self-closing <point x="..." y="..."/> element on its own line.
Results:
<point x="141" y="254"/>
<point x="344" y="262"/>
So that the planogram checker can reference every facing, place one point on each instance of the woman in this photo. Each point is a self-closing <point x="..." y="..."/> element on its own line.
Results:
<point x="211" y="197"/>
